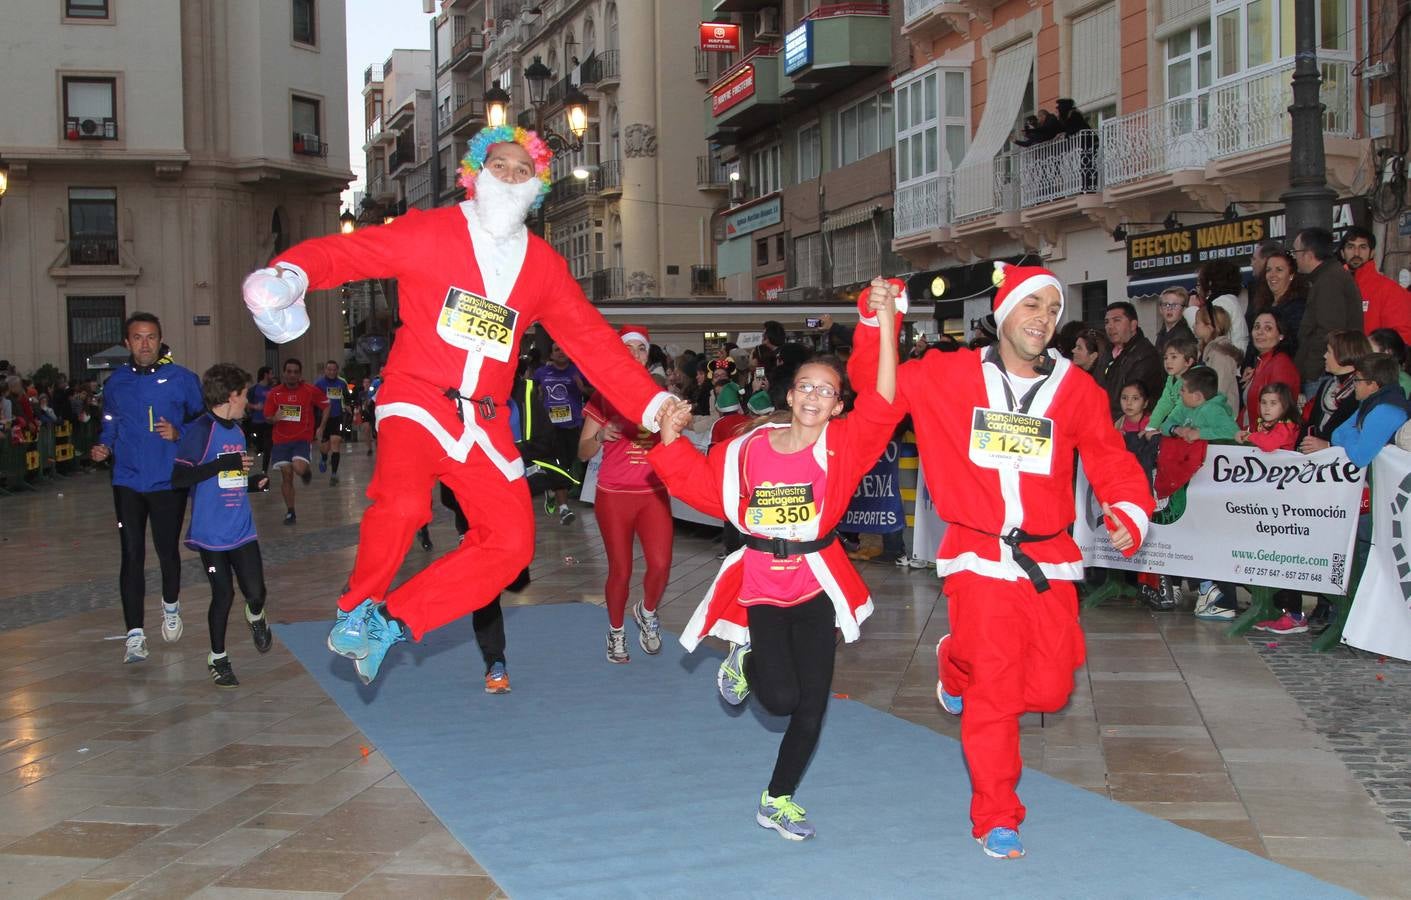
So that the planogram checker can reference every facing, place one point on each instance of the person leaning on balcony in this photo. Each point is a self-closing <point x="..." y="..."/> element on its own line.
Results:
<point x="1334" y="303"/>
<point x="1385" y="304"/>
<point x="1070" y="120"/>
<point x="1172" y="307"/>
<point x="1045" y="127"/>
<point x="1131" y="357"/>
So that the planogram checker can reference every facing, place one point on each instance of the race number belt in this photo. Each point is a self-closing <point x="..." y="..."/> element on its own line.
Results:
<point x="1000" y="439"/>
<point x="289" y="412"/>
<point x="476" y="323"/>
<point x="782" y="549"/>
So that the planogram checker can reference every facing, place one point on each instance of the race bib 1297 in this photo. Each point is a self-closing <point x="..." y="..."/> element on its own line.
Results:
<point x="1000" y="439"/>
<point x="477" y="324"/>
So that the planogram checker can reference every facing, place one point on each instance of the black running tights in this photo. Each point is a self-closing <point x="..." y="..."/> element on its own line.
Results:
<point x="249" y="570"/>
<point x="790" y="671"/>
<point x="164" y="510"/>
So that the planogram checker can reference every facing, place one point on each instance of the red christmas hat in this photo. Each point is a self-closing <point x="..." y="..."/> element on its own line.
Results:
<point x="635" y="333"/>
<point x="1017" y="282"/>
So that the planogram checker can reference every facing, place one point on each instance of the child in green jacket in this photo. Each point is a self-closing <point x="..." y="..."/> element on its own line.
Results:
<point x="1180" y="354"/>
<point x="1204" y="414"/>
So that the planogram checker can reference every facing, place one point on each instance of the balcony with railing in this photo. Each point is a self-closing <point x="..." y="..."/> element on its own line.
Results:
<point x="986" y="188"/>
<point x="607" y="284"/>
<point x="926" y="19"/>
<point x="703" y="280"/>
<point x="745" y="96"/>
<point x="610" y="176"/>
<point x="372" y="73"/>
<point x="566" y="190"/>
<point x="702" y="65"/>
<point x="309" y="145"/>
<point x="419" y="186"/>
<point x="922" y="206"/>
<point x="846" y="41"/>
<point x="380" y="187"/>
<point x="711" y="174"/>
<point x="1060" y="168"/>
<point x="601" y="70"/>
<point x="1236" y="118"/>
<point x="466" y="52"/>
<point x="93" y="250"/>
<point x="467" y="112"/>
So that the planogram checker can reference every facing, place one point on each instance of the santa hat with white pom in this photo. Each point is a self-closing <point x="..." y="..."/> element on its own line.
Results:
<point x="1014" y="283"/>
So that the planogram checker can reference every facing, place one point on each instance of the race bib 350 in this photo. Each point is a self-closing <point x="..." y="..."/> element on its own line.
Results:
<point x="781" y="510"/>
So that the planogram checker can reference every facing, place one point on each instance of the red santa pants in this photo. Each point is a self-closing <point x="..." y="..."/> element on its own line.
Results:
<point x="498" y="546"/>
<point x="1011" y="650"/>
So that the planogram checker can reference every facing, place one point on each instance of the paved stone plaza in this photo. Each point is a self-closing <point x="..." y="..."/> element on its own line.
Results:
<point x="144" y="780"/>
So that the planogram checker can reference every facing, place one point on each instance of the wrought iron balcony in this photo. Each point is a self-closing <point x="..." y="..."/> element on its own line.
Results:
<point x="607" y="284"/>
<point x="711" y="174"/>
<point x="1233" y="118"/>
<point x="922" y="206"/>
<point x="466" y="49"/>
<point x="985" y="188"/>
<point x="703" y="280"/>
<point x="610" y="176"/>
<point x="91" y="250"/>
<point x="1059" y="168"/>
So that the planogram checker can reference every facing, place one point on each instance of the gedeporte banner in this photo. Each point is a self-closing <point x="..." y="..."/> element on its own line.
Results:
<point x="1282" y="520"/>
<point x="1380" y="620"/>
<point x="876" y="504"/>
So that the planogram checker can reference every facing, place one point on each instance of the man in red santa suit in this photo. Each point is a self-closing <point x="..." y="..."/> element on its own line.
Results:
<point x="472" y="280"/>
<point x="996" y="430"/>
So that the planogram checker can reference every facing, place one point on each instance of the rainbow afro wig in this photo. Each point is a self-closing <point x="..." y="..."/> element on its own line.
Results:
<point x="474" y="159"/>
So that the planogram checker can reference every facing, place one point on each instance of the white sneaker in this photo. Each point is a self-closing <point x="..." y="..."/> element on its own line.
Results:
<point x="171" y="624"/>
<point x="617" y="645"/>
<point x="649" y="629"/>
<point x="136" y="649"/>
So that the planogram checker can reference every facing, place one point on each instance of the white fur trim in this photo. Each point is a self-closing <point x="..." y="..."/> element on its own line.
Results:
<point x="969" y="561"/>
<point x="1139" y="518"/>
<point x="903" y="305"/>
<point x="691" y="635"/>
<point x="649" y="415"/>
<point x="458" y="450"/>
<point x="1025" y="288"/>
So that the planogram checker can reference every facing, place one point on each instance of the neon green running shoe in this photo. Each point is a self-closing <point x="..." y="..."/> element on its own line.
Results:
<point x="730" y="678"/>
<point x="784" y="816"/>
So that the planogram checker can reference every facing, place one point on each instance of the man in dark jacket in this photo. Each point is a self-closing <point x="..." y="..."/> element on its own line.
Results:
<point x="1172" y="307"/>
<point x="1070" y="119"/>
<point x="1334" y="303"/>
<point x="1131" y="357"/>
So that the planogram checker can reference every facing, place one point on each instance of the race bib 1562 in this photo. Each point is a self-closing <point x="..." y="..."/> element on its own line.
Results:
<point x="478" y="324"/>
<point x="1008" y="440"/>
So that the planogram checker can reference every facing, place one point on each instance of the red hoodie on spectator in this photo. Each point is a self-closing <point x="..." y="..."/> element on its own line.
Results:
<point x="1279" y="436"/>
<point x="1385" y="304"/>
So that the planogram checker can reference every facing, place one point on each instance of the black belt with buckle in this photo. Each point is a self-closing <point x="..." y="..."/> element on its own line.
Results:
<point x="782" y="549"/>
<point x="1014" y="538"/>
<point x="486" y="404"/>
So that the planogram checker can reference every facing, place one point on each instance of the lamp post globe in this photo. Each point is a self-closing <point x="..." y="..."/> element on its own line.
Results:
<point x="497" y="104"/>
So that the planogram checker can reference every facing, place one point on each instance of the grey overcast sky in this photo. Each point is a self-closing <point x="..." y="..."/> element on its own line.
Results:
<point x="375" y="29"/>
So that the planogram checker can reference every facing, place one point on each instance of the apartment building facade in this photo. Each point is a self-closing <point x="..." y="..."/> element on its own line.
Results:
<point x="1187" y="152"/>
<point x="804" y="120"/>
<point x="152" y="166"/>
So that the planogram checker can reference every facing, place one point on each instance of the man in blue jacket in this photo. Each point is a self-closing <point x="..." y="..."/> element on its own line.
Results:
<point x="145" y="403"/>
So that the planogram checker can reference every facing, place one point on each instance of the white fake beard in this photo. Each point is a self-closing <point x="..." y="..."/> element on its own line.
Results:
<point x="502" y="206"/>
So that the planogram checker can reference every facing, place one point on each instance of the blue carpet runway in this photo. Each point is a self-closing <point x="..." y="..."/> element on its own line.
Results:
<point x="597" y="780"/>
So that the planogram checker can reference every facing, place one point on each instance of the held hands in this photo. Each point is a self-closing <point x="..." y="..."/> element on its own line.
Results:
<point x="673" y="418"/>
<point x="882" y="300"/>
<point x="167" y="430"/>
<point x="1121" y="537"/>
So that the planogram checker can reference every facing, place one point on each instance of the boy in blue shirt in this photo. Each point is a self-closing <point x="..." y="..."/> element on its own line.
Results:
<point x="1381" y="409"/>
<point x="214" y="463"/>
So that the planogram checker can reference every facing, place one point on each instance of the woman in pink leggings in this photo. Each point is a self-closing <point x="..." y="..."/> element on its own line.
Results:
<point x="630" y="500"/>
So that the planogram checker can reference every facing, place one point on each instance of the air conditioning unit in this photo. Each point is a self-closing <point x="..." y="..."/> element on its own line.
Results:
<point x="766" y="24"/>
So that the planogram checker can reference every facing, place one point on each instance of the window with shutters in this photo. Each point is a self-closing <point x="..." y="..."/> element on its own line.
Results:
<point x="1095" y="69"/>
<point x="89" y="10"/>
<point x="764" y="169"/>
<point x="861" y="252"/>
<point x="808" y="157"/>
<point x="807" y="261"/>
<point x="304" y="25"/>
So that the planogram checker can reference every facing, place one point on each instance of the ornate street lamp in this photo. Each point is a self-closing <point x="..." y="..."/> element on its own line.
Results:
<point x="497" y="104"/>
<point x="537" y="76"/>
<point x="347" y="222"/>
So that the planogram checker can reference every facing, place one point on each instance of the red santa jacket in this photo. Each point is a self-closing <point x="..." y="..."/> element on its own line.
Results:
<point x="461" y="325"/>
<point x="1385" y="304"/>
<point x="943" y="392"/>
<point x="846" y="450"/>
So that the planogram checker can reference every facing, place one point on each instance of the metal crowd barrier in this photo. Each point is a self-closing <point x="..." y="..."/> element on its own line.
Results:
<point x="44" y="453"/>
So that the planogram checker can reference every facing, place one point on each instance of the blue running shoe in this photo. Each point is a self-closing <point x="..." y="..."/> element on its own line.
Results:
<point x="784" y="816"/>
<point x="730" y="678"/>
<point x="382" y="633"/>
<point x="322" y="463"/>
<point x="349" y="635"/>
<point x="949" y="702"/>
<point x="1002" y="843"/>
